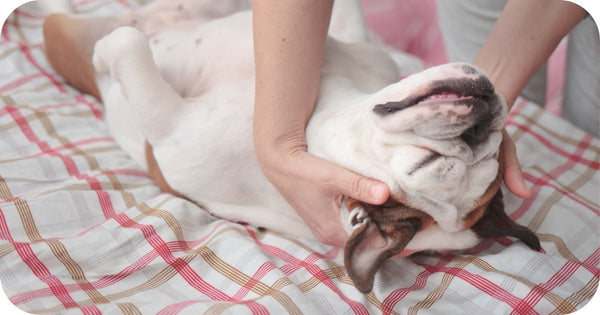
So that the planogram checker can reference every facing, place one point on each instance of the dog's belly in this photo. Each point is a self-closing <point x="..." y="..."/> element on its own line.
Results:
<point x="209" y="157"/>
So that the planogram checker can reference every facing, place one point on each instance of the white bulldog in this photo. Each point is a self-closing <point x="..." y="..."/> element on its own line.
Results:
<point x="178" y="85"/>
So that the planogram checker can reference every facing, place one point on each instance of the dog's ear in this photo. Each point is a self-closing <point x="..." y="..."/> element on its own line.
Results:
<point x="495" y="223"/>
<point x="382" y="234"/>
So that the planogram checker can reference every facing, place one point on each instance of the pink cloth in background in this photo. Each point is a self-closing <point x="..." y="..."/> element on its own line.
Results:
<point x="411" y="26"/>
<point x="408" y="25"/>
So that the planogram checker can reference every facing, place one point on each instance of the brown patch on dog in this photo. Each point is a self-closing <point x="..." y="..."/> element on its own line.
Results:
<point x="390" y="228"/>
<point x="496" y="223"/>
<point x="488" y="218"/>
<point x="157" y="176"/>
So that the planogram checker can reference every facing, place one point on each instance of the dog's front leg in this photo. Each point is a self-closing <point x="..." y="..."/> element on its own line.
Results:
<point x="125" y="56"/>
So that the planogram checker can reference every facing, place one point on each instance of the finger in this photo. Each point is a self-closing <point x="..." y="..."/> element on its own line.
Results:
<point x="362" y="188"/>
<point x="344" y="181"/>
<point x="513" y="176"/>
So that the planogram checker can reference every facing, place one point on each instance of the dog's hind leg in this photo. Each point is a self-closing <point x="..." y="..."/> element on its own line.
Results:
<point x="125" y="56"/>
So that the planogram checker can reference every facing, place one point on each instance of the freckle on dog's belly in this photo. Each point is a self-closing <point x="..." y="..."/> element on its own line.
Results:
<point x="184" y="57"/>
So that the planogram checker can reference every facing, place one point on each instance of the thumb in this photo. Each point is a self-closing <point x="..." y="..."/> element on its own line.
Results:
<point x="363" y="188"/>
<point x="513" y="176"/>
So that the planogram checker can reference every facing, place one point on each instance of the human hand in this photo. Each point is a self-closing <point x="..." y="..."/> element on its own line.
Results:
<point x="314" y="187"/>
<point x="513" y="176"/>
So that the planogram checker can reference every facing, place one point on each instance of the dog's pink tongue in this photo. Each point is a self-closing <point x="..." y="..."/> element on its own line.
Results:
<point x="443" y="96"/>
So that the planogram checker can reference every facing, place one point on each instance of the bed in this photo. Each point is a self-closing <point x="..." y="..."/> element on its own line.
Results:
<point x="84" y="230"/>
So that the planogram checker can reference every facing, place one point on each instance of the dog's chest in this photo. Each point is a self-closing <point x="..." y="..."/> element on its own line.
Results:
<point x="207" y="56"/>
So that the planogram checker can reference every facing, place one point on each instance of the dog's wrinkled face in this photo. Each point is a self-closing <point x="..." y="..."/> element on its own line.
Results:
<point x="438" y="132"/>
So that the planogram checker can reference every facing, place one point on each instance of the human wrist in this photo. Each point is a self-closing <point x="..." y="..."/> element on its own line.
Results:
<point x="521" y="41"/>
<point x="274" y="146"/>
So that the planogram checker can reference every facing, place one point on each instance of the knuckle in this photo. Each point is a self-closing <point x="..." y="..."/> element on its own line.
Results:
<point x="330" y="179"/>
<point x="356" y="186"/>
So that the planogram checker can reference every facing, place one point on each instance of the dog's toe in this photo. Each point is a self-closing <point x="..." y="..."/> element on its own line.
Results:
<point x="117" y="46"/>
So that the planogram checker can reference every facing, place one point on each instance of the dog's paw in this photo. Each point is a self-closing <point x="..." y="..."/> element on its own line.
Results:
<point x="117" y="47"/>
<point x="98" y="59"/>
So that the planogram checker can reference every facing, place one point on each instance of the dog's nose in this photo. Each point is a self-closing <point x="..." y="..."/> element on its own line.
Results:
<point x="466" y="68"/>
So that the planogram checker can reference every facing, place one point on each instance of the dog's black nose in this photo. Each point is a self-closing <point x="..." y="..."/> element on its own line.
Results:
<point x="468" y="69"/>
<point x="489" y="110"/>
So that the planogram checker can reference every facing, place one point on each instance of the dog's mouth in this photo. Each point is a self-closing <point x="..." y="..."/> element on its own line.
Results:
<point x="450" y="91"/>
<point x="445" y="97"/>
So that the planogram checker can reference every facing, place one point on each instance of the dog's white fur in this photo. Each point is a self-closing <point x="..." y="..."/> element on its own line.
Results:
<point x="188" y="89"/>
<point x="55" y="6"/>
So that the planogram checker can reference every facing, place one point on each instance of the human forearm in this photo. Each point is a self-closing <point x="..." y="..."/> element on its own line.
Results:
<point x="289" y="40"/>
<point x="523" y="38"/>
<point x="525" y="35"/>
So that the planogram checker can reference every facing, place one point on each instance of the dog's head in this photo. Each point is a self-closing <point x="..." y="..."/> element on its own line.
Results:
<point x="437" y="133"/>
<point x="436" y="136"/>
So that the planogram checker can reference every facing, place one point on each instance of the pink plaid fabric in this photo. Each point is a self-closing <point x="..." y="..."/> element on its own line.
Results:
<point x="84" y="230"/>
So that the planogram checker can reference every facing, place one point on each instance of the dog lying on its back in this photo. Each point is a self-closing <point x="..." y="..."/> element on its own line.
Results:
<point x="179" y="99"/>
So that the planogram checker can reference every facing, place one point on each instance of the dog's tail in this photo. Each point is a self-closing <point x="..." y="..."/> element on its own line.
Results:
<point x="55" y="6"/>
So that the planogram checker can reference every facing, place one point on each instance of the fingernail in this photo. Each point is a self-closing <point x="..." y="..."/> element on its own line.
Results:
<point x="378" y="191"/>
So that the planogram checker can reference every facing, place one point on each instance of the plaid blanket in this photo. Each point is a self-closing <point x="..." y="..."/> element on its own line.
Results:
<point x="84" y="230"/>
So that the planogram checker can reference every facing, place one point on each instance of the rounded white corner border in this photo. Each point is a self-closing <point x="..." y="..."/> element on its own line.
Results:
<point x="591" y="6"/>
<point x="7" y="6"/>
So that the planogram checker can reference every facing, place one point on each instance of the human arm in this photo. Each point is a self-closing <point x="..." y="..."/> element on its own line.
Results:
<point x="523" y="38"/>
<point x="289" y="43"/>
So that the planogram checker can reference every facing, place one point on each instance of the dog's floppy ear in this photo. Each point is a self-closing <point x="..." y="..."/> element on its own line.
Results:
<point x="380" y="232"/>
<point x="495" y="223"/>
